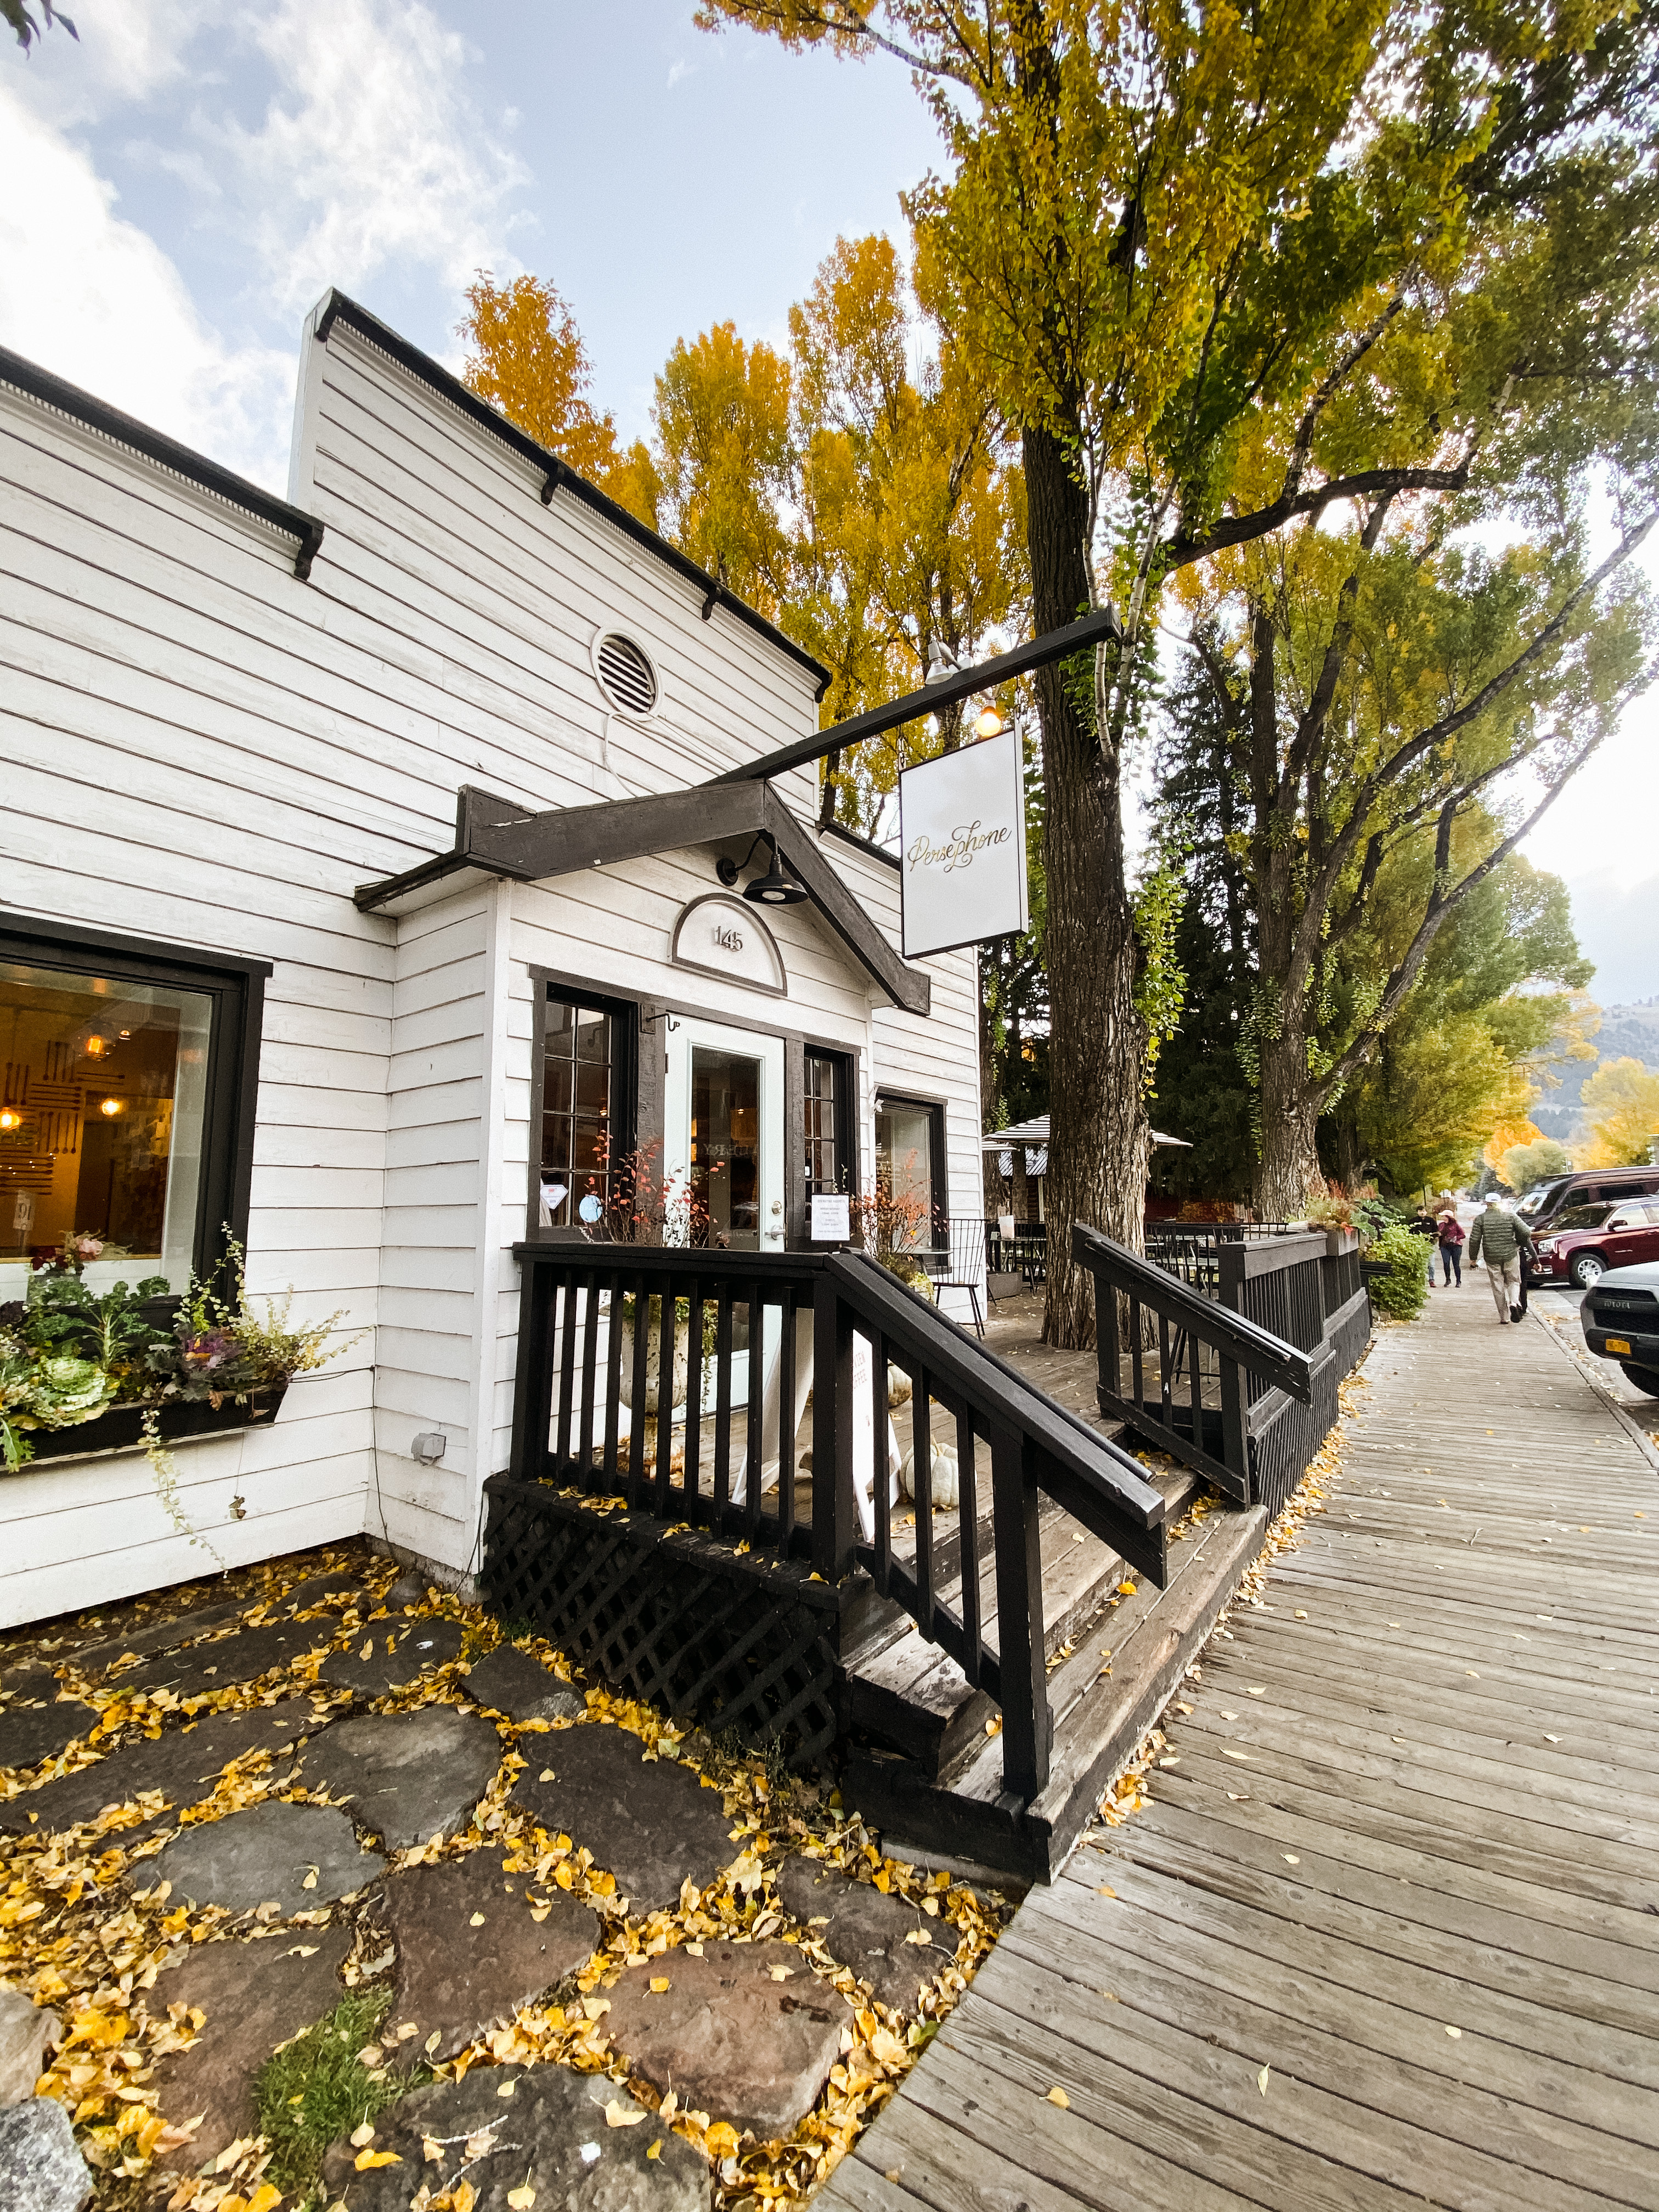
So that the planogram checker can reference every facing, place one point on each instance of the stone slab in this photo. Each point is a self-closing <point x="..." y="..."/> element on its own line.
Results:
<point x="407" y="1777"/>
<point x="40" y="2168"/>
<point x="411" y="1587"/>
<point x="29" y="1734"/>
<point x="26" y="2031"/>
<point x="231" y="1660"/>
<point x="652" y="1824"/>
<point x="337" y="1590"/>
<point x="454" y="1978"/>
<point x="255" y="1995"/>
<point x="159" y="1636"/>
<point x="868" y="1931"/>
<point x="183" y="1764"/>
<point x="265" y="1854"/>
<point x="517" y="1683"/>
<point x="400" y="1650"/>
<point x="727" y="2036"/>
<point x="550" y="2131"/>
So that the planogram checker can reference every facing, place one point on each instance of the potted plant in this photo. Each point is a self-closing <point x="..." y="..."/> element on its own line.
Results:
<point x="890" y="1225"/>
<point x="638" y="1204"/>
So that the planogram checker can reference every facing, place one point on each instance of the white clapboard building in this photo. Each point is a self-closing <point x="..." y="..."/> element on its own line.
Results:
<point x="366" y="868"/>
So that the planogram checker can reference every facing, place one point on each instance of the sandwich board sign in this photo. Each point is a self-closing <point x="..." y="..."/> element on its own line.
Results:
<point x="962" y="847"/>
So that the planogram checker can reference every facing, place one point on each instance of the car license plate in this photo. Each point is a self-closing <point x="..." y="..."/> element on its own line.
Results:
<point x="1619" y="1344"/>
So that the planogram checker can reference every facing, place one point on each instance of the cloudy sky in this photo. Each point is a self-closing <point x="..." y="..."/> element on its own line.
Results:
<point x="177" y="187"/>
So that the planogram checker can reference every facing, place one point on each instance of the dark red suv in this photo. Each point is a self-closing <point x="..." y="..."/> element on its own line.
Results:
<point x="1582" y="1242"/>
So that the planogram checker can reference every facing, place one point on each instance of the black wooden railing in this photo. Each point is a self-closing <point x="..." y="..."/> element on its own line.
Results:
<point x="1229" y="1347"/>
<point x="574" y="1342"/>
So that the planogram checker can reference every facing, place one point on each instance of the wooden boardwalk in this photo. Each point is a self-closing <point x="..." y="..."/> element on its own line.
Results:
<point x="1403" y="1855"/>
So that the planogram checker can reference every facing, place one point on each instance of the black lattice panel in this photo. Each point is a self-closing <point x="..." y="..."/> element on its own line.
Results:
<point x="669" y="1617"/>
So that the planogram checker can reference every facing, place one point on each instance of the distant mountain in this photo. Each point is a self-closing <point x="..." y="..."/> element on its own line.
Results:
<point x="1627" y="1032"/>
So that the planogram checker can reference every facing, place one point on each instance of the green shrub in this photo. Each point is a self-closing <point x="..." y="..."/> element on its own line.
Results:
<point x="1400" y="1289"/>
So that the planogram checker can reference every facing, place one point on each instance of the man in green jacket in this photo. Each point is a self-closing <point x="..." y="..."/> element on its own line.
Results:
<point x="1496" y="1238"/>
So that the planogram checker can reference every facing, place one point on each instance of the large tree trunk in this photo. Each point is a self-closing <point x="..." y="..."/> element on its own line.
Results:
<point x="1289" y="1161"/>
<point x="1098" y="1119"/>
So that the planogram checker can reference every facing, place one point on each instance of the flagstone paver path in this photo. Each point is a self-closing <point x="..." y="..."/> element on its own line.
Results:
<point x="397" y="1875"/>
<point x="1388" y="1934"/>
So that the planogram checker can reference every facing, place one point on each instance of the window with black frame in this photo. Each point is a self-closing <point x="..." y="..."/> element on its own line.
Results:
<point x="125" y="1082"/>
<point x="586" y="1066"/>
<point x="828" y="1119"/>
<point x="910" y="1164"/>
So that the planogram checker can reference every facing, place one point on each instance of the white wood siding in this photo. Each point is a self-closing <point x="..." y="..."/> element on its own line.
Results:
<point x="199" y="749"/>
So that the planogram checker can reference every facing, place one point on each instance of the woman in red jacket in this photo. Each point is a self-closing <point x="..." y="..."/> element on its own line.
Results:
<point x="1452" y="1249"/>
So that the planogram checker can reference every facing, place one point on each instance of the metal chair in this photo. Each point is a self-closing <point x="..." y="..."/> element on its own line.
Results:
<point x="959" y="1264"/>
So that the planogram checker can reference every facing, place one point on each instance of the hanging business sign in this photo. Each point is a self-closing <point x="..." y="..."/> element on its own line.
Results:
<point x="962" y="843"/>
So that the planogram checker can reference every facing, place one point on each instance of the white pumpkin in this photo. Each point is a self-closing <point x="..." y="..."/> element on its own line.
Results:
<point x="944" y="1477"/>
<point x="899" y="1388"/>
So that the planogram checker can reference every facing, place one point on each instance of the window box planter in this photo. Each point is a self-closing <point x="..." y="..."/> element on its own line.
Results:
<point x="121" y="1428"/>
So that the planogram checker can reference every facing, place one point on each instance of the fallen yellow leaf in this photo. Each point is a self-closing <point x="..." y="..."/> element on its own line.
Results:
<point x="615" y="2117"/>
<point x="660" y="1983"/>
<point x="361" y="2135"/>
<point x="1262" y="2079"/>
<point x="521" y="2200"/>
<point x="476" y="1921"/>
<point x="1105" y="1890"/>
<point x="1058" y="2096"/>
<point x="264" y="2198"/>
<point x="655" y="2150"/>
<point x="366" y="2159"/>
<point x="721" y="2140"/>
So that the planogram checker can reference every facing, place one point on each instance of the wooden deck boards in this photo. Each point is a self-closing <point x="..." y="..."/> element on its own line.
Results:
<point x="1418" y="1793"/>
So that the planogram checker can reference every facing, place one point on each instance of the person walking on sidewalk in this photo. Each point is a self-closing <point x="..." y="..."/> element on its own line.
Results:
<point x="1451" y="1232"/>
<point x="1496" y="1237"/>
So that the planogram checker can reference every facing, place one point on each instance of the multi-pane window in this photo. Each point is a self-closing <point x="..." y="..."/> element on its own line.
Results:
<point x="579" y="1100"/>
<point x="825" y="1133"/>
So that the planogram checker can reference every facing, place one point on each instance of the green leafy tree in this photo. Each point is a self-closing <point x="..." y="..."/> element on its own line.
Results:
<point x="21" y="17"/>
<point x="1223" y="272"/>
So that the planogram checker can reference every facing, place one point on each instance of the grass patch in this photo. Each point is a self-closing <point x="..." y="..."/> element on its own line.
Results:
<point x="313" y="2091"/>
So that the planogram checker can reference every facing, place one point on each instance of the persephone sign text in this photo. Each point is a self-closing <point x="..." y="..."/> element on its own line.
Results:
<point x="962" y="839"/>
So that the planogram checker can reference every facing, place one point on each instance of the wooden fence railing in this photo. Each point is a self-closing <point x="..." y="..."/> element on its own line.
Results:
<point x="751" y="1332"/>
<point x="1248" y="1336"/>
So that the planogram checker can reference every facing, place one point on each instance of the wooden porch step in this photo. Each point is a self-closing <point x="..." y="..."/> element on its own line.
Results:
<point x="961" y="1812"/>
<point x="903" y="1691"/>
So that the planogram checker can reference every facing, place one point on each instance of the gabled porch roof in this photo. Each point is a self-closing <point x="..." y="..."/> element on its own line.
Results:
<point x="496" y="837"/>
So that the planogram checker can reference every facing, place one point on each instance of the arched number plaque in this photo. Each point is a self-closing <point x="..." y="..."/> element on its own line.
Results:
<point x="727" y="938"/>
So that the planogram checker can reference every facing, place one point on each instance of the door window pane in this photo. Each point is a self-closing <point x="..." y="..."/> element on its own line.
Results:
<point x="579" y="1075"/>
<point x="725" y="1148"/>
<point x="823" y="1131"/>
<point x="102" y="1112"/>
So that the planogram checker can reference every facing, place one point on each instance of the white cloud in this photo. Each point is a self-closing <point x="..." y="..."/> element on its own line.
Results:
<point x="94" y="299"/>
<point x="371" y="153"/>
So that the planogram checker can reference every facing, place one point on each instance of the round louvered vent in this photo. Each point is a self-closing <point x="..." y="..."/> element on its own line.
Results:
<point x="629" y="678"/>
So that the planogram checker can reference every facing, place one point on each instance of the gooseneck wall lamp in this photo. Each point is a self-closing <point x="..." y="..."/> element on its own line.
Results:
<point x="773" y="888"/>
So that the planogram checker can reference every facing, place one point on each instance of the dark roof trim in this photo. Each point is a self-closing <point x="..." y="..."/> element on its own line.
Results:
<point x="872" y="852"/>
<point x="1100" y="628"/>
<point x="499" y="837"/>
<point x="124" y="430"/>
<point x="557" y="475"/>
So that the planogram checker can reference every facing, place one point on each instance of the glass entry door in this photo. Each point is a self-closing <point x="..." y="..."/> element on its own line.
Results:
<point x="723" y="1139"/>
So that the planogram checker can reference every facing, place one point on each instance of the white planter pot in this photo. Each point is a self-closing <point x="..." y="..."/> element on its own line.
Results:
<point x="680" y="1375"/>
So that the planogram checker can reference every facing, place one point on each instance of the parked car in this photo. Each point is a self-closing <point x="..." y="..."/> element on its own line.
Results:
<point x="1538" y="1206"/>
<point x="1583" y="1242"/>
<point x="1620" y="1319"/>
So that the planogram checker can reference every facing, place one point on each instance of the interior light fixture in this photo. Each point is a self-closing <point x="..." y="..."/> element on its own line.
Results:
<point x="10" y="1118"/>
<point x="96" y="1046"/>
<point x="988" y="725"/>
<point x="111" y="1107"/>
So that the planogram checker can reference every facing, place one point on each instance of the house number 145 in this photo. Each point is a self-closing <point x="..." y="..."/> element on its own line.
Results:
<point x="728" y="939"/>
